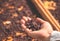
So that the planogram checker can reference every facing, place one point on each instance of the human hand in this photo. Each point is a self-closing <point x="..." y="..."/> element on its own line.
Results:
<point x="43" y="33"/>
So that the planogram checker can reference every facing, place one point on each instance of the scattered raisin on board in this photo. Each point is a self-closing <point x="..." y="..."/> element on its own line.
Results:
<point x="56" y="12"/>
<point x="11" y="12"/>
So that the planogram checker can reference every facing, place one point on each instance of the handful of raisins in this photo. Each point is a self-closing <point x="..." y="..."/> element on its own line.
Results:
<point x="32" y="24"/>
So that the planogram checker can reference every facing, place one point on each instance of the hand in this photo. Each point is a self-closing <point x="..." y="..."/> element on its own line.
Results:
<point x="43" y="33"/>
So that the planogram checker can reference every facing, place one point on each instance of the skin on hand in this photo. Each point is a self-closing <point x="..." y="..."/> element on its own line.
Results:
<point x="43" y="33"/>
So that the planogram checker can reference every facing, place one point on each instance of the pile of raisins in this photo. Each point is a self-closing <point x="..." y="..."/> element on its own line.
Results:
<point x="33" y="25"/>
<point x="11" y="13"/>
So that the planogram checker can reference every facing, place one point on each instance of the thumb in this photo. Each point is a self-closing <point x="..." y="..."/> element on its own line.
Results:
<point x="40" y="20"/>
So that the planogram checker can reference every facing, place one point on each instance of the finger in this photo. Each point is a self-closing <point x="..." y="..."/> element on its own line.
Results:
<point x="40" y="20"/>
<point x="25" y="18"/>
<point x="29" y="18"/>
<point x="25" y="28"/>
<point x="22" y="21"/>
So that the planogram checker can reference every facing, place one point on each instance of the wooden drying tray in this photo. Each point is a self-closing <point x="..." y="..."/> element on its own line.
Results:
<point x="46" y="14"/>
